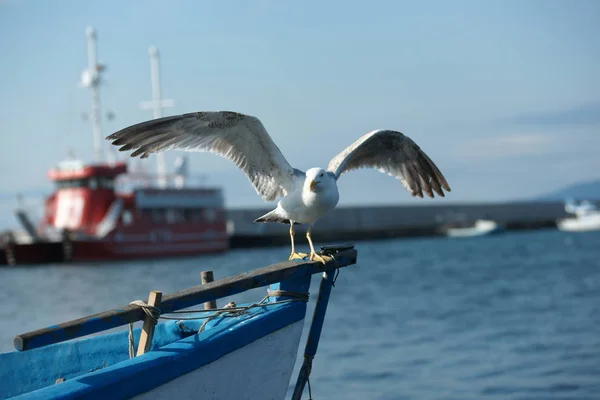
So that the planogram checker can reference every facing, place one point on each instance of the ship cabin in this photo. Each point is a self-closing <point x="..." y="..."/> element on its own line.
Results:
<point x="88" y="201"/>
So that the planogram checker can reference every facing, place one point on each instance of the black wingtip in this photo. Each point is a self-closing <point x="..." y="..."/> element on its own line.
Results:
<point x="113" y="136"/>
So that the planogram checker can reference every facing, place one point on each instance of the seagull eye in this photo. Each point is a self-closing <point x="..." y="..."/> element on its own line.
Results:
<point x="321" y="175"/>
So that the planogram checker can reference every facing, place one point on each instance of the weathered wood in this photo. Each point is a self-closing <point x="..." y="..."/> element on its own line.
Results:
<point x="182" y="299"/>
<point x="149" y="324"/>
<point x="208" y="277"/>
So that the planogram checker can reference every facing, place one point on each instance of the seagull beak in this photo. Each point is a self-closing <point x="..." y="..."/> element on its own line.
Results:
<point x="313" y="185"/>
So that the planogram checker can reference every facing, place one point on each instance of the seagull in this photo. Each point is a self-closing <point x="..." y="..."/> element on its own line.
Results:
<point x="305" y="196"/>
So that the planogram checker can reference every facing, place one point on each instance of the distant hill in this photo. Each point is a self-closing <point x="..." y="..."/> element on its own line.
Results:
<point x="589" y="190"/>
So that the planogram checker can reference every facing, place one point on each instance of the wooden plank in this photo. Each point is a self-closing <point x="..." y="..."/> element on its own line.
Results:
<point x="208" y="277"/>
<point x="182" y="299"/>
<point x="149" y="324"/>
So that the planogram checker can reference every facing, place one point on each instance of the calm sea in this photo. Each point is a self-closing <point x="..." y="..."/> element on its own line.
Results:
<point x="515" y="316"/>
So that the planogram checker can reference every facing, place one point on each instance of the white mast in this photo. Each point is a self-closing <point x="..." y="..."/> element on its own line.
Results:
<point x="90" y="78"/>
<point x="157" y="104"/>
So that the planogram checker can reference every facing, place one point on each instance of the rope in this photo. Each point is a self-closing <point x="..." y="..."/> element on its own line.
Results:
<point x="150" y="311"/>
<point x="226" y="309"/>
<point x="230" y="310"/>
<point x="302" y="296"/>
<point x="337" y="273"/>
<point x="308" y="362"/>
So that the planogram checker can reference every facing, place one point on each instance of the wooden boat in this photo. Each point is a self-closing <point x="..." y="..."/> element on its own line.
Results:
<point x="237" y="352"/>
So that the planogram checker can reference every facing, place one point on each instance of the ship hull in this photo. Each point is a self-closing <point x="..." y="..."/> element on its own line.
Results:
<point x="105" y="250"/>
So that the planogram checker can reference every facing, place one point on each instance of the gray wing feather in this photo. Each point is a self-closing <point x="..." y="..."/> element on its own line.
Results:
<point x="395" y="154"/>
<point x="237" y="137"/>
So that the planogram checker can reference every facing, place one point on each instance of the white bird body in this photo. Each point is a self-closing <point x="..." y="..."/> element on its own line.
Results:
<point x="305" y="205"/>
<point x="305" y="196"/>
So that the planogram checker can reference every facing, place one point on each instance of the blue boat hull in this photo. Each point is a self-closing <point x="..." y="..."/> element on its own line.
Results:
<point x="243" y="357"/>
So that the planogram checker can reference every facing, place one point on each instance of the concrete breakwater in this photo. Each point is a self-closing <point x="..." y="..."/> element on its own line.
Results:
<point x="376" y="222"/>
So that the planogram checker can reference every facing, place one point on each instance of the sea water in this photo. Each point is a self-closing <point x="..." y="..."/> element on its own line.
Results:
<point x="513" y="316"/>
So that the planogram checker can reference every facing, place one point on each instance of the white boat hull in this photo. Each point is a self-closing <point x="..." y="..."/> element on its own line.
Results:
<point x="481" y="228"/>
<point x="590" y="222"/>
<point x="260" y="370"/>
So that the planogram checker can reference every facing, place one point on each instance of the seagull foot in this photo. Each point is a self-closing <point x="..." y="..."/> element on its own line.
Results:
<point x="298" y="256"/>
<point x="323" y="259"/>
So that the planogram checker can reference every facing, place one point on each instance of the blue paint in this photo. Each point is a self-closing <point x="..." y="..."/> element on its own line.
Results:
<point x="314" y="334"/>
<point x="177" y="349"/>
<point x="42" y="367"/>
<point x="319" y="315"/>
<point x="295" y="285"/>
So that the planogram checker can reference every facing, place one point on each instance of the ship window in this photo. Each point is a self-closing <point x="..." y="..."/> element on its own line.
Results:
<point x="144" y="214"/>
<point x="158" y="215"/>
<point x="106" y="183"/>
<point x="170" y="216"/>
<point x="70" y="183"/>
<point x="175" y="216"/>
<point x="127" y="217"/>
<point x="192" y="215"/>
<point x="210" y="214"/>
<point x="197" y="215"/>
<point x="79" y="183"/>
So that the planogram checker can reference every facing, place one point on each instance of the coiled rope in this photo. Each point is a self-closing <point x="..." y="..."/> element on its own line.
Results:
<point x="230" y="310"/>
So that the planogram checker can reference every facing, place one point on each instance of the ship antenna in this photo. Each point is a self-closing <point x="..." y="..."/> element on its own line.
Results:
<point x="91" y="79"/>
<point x="157" y="104"/>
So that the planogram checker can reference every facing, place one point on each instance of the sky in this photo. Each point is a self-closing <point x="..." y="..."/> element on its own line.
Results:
<point x="504" y="96"/>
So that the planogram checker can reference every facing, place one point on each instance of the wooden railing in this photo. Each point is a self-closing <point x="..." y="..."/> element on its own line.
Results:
<point x="265" y="276"/>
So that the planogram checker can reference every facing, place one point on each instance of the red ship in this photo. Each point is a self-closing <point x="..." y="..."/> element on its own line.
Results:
<point x="87" y="219"/>
<point x="98" y="212"/>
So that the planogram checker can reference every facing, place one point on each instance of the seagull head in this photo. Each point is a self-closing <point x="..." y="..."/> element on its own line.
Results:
<point x="317" y="179"/>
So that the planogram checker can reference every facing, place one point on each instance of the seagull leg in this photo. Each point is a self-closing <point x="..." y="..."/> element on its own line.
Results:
<point x="313" y="254"/>
<point x="294" y="255"/>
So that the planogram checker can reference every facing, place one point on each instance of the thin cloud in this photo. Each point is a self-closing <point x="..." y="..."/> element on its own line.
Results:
<point x="497" y="147"/>
<point x="586" y="114"/>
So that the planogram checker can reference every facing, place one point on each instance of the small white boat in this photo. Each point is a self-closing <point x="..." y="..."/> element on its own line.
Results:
<point x="481" y="227"/>
<point x="586" y="217"/>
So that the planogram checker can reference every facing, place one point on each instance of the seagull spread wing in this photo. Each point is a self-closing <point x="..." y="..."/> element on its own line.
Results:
<point x="394" y="154"/>
<point x="237" y="137"/>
